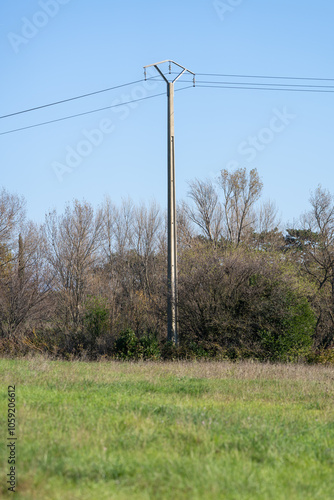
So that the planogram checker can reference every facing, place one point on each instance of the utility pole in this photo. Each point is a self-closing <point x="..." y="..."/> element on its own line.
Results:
<point x="172" y="297"/>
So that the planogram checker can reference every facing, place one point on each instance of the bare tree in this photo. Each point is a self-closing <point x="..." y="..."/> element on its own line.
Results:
<point x="25" y="286"/>
<point x="207" y="212"/>
<point x="313" y="247"/>
<point x="117" y="224"/>
<point x="316" y="237"/>
<point x="12" y="215"/>
<point x="131" y="245"/>
<point x="185" y="229"/>
<point x="72" y="245"/>
<point x="146" y="228"/>
<point x="322" y="214"/>
<point x="240" y="192"/>
<point x="117" y="243"/>
<point x="21" y="276"/>
<point x="267" y="234"/>
<point x="267" y="217"/>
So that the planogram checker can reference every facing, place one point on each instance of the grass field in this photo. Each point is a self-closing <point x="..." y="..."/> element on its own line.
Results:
<point x="169" y="431"/>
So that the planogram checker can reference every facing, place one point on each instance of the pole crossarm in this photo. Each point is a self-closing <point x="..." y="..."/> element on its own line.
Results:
<point x="172" y="274"/>
<point x="170" y="62"/>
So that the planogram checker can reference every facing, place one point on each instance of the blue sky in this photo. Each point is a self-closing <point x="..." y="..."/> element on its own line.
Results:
<point x="55" y="49"/>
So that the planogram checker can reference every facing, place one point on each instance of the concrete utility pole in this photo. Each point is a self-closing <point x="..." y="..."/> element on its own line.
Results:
<point x="172" y="298"/>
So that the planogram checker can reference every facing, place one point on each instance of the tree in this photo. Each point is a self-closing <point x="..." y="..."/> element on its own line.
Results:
<point x="146" y="229"/>
<point x="185" y="229"/>
<point x="117" y="223"/>
<point x="244" y="302"/>
<point x="267" y="235"/>
<point x="25" y="287"/>
<point x="12" y="214"/>
<point x="22" y="273"/>
<point x="313" y="246"/>
<point x="133" y="260"/>
<point x="72" y="247"/>
<point x="266" y="217"/>
<point x="240" y="192"/>
<point x="207" y="212"/>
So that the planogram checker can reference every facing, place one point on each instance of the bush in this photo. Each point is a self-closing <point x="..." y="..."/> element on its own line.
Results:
<point x="129" y="347"/>
<point x="126" y="345"/>
<point x="96" y="317"/>
<point x="13" y="347"/>
<point x="292" y="338"/>
<point x="169" y="351"/>
<point x="247" y="304"/>
<point x="150" y="346"/>
<point x="323" y="357"/>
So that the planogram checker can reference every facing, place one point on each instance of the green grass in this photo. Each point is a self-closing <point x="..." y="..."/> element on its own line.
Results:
<point x="170" y="431"/>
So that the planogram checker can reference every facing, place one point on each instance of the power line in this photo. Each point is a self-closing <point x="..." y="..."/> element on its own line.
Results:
<point x="199" y="82"/>
<point x="74" y="98"/>
<point x="240" y="87"/>
<point x="87" y="112"/>
<point x="80" y="114"/>
<point x="184" y="88"/>
<point x="264" y="86"/>
<point x="267" y="77"/>
<point x="270" y="84"/>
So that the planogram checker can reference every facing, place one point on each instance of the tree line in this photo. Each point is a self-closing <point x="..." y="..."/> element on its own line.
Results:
<point x="92" y="282"/>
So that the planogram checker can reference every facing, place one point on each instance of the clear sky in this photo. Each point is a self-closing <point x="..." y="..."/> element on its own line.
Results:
<point x="55" y="49"/>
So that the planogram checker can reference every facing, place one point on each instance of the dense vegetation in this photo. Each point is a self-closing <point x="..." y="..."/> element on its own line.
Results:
<point x="92" y="282"/>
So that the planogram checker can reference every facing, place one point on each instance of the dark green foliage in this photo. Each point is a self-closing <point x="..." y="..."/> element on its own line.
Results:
<point x="292" y="338"/>
<point x="129" y="347"/>
<point x="96" y="317"/>
<point x="244" y="303"/>
<point x="126" y="345"/>
<point x="149" y="346"/>
<point x="300" y="238"/>
<point x="169" y="351"/>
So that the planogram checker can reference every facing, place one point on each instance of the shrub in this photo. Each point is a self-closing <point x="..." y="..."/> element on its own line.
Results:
<point x="168" y="350"/>
<point x="149" y="346"/>
<point x="12" y="347"/>
<point x="129" y="347"/>
<point x="292" y="337"/>
<point x="126" y="345"/>
<point x="96" y="317"/>
<point x="249" y="305"/>
<point x="323" y="357"/>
